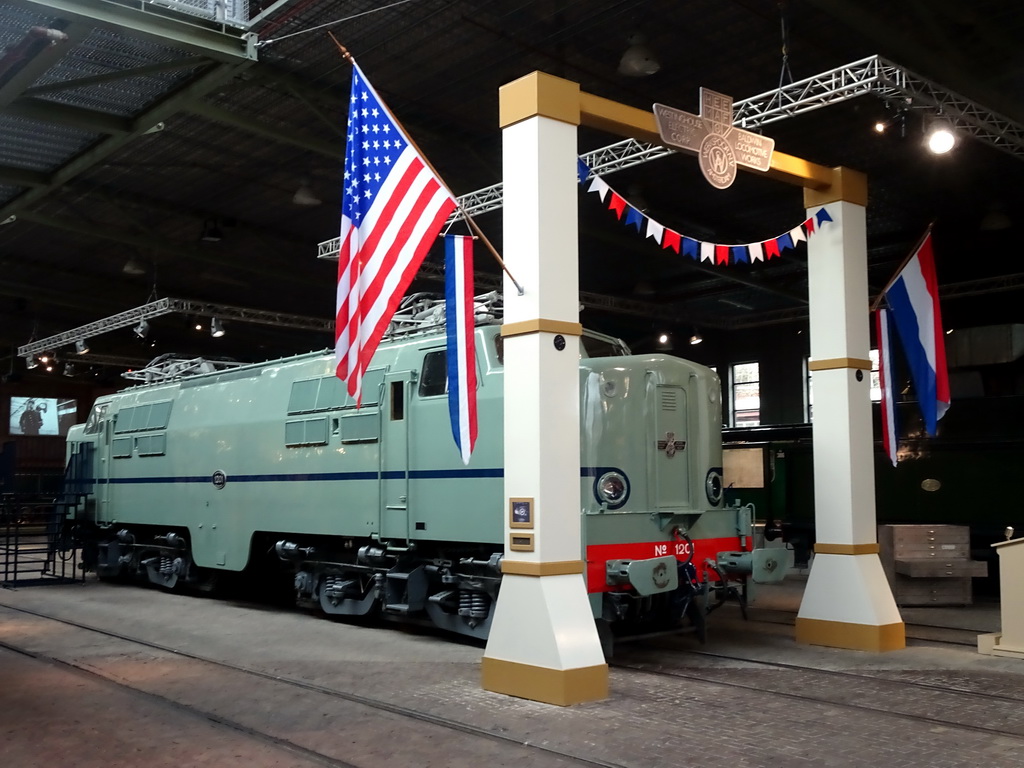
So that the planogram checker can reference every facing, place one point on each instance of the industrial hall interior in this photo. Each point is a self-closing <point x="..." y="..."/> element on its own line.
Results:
<point x="550" y="382"/>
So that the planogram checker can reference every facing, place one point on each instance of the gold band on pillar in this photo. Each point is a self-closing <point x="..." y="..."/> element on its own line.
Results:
<point x="554" y="568"/>
<point x="847" y="185"/>
<point x="821" y="548"/>
<point x="539" y="95"/>
<point x="857" y="637"/>
<point x="563" y="687"/>
<point x="541" y="325"/>
<point x="839" y="362"/>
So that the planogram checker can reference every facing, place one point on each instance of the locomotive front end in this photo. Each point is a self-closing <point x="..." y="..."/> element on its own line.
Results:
<point x="654" y="524"/>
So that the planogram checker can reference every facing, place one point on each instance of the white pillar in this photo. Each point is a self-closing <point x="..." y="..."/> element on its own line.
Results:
<point x="848" y="602"/>
<point x="543" y="643"/>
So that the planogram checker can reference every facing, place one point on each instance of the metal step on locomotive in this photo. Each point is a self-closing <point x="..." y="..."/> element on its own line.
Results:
<point x="208" y="467"/>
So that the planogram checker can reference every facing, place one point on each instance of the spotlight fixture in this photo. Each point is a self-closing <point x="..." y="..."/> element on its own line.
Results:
<point x="142" y="329"/>
<point x="696" y="338"/>
<point x="212" y="233"/>
<point x="638" y="60"/>
<point x="133" y="267"/>
<point x="31" y="362"/>
<point x="81" y="347"/>
<point x="940" y="137"/>
<point x="305" y="196"/>
<point x="69" y="369"/>
<point x="216" y="328"/>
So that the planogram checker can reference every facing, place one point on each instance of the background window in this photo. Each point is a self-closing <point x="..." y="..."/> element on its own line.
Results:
<point x="746" y="395"/>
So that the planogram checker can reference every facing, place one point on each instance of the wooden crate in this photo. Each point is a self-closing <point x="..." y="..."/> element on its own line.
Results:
<point x="929" y="564"/>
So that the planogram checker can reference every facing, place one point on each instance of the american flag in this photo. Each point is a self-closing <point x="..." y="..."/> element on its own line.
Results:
<point x="392" y="207"/>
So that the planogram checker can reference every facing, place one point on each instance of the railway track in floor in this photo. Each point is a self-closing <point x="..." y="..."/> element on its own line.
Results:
<point x="448" y="724"/>
<point x="934" y="696"/>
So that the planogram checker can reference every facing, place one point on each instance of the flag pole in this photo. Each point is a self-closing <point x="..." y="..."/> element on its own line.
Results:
<point x="895" y="275"/>
<point x="469" y="219"/>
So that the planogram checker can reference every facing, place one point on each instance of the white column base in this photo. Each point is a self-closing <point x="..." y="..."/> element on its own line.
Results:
<point x="848" y="604"/>
<point x="543" y="644"/>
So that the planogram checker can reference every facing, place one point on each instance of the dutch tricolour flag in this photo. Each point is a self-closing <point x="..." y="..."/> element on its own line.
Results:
<point x="913" y="299"/>
<point x="883" y="327"/>
<point x="458" y="259"/>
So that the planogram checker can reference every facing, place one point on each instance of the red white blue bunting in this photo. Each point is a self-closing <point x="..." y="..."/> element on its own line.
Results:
<point x="699" y="250"/>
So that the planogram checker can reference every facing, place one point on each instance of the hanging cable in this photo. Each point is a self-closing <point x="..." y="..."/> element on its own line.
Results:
<point x="263" y="43"/>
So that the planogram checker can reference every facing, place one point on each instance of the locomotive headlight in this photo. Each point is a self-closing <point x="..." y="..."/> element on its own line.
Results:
<point x="612" y="488"/>
<point x="713" y="486"/>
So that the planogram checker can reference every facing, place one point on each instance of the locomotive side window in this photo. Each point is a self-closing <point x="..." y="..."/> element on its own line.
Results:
<point x="329" y="393"/>
<point x="306" y="432"/>
<point x="151" y="445"/>
<point x="143" y="417"/>
<point x="434" y="375"/>
<point x="397" y="401"/>
<point x="121" y="447"/>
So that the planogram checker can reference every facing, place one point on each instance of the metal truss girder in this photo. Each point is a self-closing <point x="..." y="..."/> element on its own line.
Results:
<point x="189" y="62"/>
<point x="90" y="120"/>
<point x="214" y="41"/>
<point x="890" y="82"/>
<point x="168" y="306"/>
<point x="28" y="71"/>
<point x="871" y="75"/>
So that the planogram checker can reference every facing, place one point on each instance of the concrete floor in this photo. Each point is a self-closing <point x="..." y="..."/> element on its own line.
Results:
<point x="321" y="692"/>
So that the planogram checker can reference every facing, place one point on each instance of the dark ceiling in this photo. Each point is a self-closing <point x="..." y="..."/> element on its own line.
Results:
<point x="93" y="190"/>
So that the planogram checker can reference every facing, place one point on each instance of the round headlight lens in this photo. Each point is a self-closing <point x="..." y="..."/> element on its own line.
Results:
<point x="713" y="486"/>
<point x="612" y="489"/>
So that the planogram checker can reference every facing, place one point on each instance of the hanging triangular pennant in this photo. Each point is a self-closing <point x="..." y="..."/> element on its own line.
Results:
<point x="634" y="218"/>
<point x="617" y="203"/>
<point x="692" y="247"/>
<point x="582" y="171"/>
<point x="600" y="186"/>
<point x="671" y="240"/>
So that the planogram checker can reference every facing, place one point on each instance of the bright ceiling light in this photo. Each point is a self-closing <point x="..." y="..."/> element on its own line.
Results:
<point x="941" y="138"/>
<point x="696" y="338"/>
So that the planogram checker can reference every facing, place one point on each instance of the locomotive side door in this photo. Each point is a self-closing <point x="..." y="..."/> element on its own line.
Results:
<point x="100" y="427"/>
<point x="394" y="456"/>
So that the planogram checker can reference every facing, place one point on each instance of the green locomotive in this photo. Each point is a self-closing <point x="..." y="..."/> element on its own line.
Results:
<point x="271" y="467"/>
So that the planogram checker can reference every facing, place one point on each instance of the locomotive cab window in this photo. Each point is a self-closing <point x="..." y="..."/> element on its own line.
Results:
<point x="95" y="420"/>
<point x="434" y="374"/>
